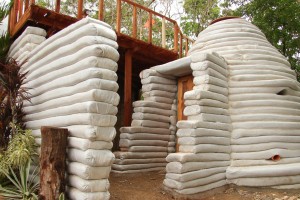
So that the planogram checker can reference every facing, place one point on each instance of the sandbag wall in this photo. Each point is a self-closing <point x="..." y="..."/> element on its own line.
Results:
<point x="146" y="143"/>
<point x="264" y="98"/>
<point x="25" y="43"/>
<point x="204" y="138"/>
<point x="72" y="83"/>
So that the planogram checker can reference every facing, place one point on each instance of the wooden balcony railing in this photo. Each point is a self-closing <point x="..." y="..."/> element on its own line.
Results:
<point x="131" y="19"/>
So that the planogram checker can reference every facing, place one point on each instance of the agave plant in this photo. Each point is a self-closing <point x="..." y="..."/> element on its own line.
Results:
<point x="21" y="185"/>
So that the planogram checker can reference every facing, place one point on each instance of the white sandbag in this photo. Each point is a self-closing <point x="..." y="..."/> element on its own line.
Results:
<point x="263" y="96"/>
<point x="200" y="94"/>
<point x="267" y="154"/>
<point x="154" y="93"/>
<point x="173" y="120"/>
<point x="159" y="99"/>
<point x="135" y="171"/>
<point x="210" y="72"/>
<point x="42" y="103"/>
<point x="139" y="161"/>
<point x="208" y="125"/>
<point x="146" y="136"/>
<point x="206" y="79"/>
<point x="202" y="188"/>
<point x="152" y="72"/>
<point x="92" y="132"/>
<point x="83" y="185"/>
<point x="264" y="117"/>
<point x="195" y="175"/>
<point x="149" y="123"/>
<point x="26" y="48"/>
<point x="211" y="88"/>
<point x="264" y="146"/>
<point x="210" y="118"/>
<point x="84" y="107"/>
<point x="148" y="149"/>
<point x="191" y="157"/>
<point x="106" y="66"/>
<point x="260" y="67"/>
<point x="204" y="148"/>
<point x="95" y="158"/>
<point x="241" y="163"/>
<point x="157" y="79"/>
<point x="139" y="155"/>
<point x="154" y="86"/>
<point x="151" y="104"/>
<point x="89" y="81"/>
<point x="207" y="102"/>
<point x="284" y="187"/>
<point x="157" y="111"/>
<point x="256" y="132"/>
<point x="203" y="140"/>
<point x="194" y="183"/>
<point x="214" y="58"/>
<point x="201" y="132"/>
<point x="88" y="172"/>
<point x="265" y="139"/>
<point x="263" y="171"/>
<point x="173" y="129"/>
<point x="266" y="110"/>
<point x="264" y="75"/>
<point x="129" y="143"/>
<point x="179" y="168"/>
<point x="148" y="116"/>
<point x="145" y="130"/>
<point x="75" y="119"/>
<point x="206" y="65"/>
<point x="85" y="144"/>
<point x="76" y="194"/>
<point x="266" y="125"/>
<point x="137" y="166"/>
<point x="197" y="109"/>
<point x="266" y="181"/>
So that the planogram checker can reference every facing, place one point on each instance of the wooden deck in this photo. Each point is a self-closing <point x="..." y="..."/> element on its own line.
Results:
<point x="135" y="54"/>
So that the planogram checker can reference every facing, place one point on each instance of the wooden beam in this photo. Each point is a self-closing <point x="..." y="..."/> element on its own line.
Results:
<point x="32" y="2"/>
<point x="181" y="46"/>
<point x="163" y="33"/>
<point x="119" y="16"/>
<point x="57" y="6"/>
<point x="53" y="162"/>
<point x="20" y="9"/>
<point x="186" y="45"/>
<point x="128" y="88"/>
<point x="101" y="10"/>
<point x="80" y="9"/>
<point x="150" y="28"/>
<point x="26" y="4"/>
<point x="134" y="22"/>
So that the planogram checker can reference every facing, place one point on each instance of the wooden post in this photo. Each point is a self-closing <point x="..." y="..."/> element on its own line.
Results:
<point x="163" y="32"/>
<point x="175" y="38"/>
<point x="57" y="6"/>
<point x="150" y="28"/>
<point x="32" y="2"/>
<point x="80" y="9"/>
<point x="119" y="15"/>
<point x="181" y="46"/>
<point x="52" y="162"/>
<point x="134" y="22"/>
<point x="26" y="4"/>
<point x="20" y="9"/>
<point x="128" y="88"/>
<point x="186" y="45"/>
<point x="101" y="10"/>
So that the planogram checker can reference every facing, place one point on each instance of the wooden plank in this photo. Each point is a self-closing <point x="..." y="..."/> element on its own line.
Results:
<point x="101" y="10"/>
<point x="181" y="46"/>
<point x="134" y="22"/>
<point x="32" y="2"/>
<point x="26" y="4"/>
<point x="186" y="45"/>
<point x="119" y="15"/>
<point x="53" y="162"/>
<point x="20" y="8"/>
<point x="150" y="28"/>
<point x="57" y="6"/>
<point x="163" y="32"/>
<point x="128" y="88"/>
<point x="80" y="9"/>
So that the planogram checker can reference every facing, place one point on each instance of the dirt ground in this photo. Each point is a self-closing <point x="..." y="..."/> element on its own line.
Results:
<point x="148" y="186"/>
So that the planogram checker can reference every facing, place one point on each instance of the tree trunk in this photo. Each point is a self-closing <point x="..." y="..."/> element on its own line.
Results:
<point x="52" y="162"/>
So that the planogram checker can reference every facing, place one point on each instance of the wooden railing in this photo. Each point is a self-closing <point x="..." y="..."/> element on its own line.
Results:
<point x="140" y="23"/>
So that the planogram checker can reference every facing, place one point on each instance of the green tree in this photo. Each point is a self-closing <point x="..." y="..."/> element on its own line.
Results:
<point x="279" y="20"/>
<point x="198" y="15"/>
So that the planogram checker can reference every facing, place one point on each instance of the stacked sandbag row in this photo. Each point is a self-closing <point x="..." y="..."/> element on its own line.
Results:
<point x="72" y="80"/>
<point x="25" y="43"/>
<point x="146" y="143"/>
<point x="204" y="138"/>
<point x="264" y="105"/>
